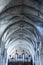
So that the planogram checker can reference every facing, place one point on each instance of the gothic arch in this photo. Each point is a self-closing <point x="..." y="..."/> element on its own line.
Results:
<point x="21" y="33"/>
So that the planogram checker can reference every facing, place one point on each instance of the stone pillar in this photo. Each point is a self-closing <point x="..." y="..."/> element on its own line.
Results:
<point x="4" y="57"/>
<point x="37" y="54"/>
<point x="1" y="63"/>
<point x="3" y="54"/>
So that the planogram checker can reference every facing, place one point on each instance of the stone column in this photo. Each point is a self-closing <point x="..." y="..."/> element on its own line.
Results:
<point x="3" y="54"/>
<point x="37" y="54"/>
<point x="0" y="54"/>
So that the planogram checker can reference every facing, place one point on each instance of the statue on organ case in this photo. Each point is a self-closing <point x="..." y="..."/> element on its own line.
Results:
<point x="16" y="55"/>
<point x="23" y="55"/>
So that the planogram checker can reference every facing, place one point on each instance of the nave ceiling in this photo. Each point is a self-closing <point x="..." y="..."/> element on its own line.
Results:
<point x="14" y="11"/>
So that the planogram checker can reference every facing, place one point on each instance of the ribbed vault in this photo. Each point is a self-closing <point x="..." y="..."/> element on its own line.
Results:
<point x="21" y="34"/>
<point x="21" y="27"/>
<point x="21" y="9"/>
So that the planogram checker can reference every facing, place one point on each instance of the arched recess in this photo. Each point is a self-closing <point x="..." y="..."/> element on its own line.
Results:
<point x="24" y="44"/>
<point x="22" y="30"/>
